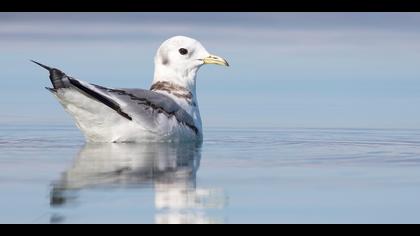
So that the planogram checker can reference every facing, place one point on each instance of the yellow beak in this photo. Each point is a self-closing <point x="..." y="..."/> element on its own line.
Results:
<point x="212" y="59"/>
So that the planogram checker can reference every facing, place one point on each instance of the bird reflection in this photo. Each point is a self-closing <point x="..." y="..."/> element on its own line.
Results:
<point x="170" y="169"/>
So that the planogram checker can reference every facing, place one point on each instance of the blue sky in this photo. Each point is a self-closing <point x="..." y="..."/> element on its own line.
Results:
<point x="352" y="70"/>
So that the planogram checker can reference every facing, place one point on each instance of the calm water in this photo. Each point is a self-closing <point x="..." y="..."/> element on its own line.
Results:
<point x="49" y="175"/>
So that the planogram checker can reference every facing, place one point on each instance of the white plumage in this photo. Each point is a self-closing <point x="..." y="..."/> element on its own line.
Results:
<point x="168" y="112"/>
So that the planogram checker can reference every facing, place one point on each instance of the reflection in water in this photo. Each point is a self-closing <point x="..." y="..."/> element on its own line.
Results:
<point x="170" y="169"/>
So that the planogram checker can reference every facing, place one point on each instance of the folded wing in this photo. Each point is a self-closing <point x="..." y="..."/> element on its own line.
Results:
<point x="136" y="105"/>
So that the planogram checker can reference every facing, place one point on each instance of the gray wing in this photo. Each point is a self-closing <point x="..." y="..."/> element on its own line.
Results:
<point x="137" y="104"/>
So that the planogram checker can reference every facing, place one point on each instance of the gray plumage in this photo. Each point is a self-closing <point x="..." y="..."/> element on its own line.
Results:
<point x="143" y="103"/>
<point x="133" y="104"/>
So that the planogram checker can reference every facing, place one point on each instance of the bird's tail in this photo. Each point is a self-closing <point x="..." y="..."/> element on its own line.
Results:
<point x="57" y="77"/>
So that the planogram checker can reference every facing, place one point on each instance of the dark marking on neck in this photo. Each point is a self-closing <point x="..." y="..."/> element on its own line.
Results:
<point x="174" y="89"/>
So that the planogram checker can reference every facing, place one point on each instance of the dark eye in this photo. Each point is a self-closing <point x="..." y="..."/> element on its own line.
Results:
<point x="183" y="51"/>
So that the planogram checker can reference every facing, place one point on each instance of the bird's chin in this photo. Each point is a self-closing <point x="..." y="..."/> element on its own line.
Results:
<point x="200" y="62"/>
<point x="197" y="65"/>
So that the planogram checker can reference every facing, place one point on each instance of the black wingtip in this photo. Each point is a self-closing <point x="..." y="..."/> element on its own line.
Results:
<point x="51" y="90"/>
<point x="41" y="65"/>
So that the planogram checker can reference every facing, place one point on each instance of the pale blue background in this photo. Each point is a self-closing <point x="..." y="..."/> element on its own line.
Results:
<point x="352" y="70"/>
<point x="316" y="120"/>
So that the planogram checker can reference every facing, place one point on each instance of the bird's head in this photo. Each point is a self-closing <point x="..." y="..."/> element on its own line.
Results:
<point x="179" y="58"/>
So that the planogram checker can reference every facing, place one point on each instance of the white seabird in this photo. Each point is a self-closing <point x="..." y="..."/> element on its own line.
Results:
<point x="168" y="112"/>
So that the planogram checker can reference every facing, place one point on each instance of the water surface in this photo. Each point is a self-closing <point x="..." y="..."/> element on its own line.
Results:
<point x="49" y="175"/>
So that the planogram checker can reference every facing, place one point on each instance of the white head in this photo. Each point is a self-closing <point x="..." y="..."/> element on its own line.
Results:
<point x="178" y="59"/>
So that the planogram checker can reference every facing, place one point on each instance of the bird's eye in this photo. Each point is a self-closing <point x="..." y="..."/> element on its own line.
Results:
<point x="183" y="51"/>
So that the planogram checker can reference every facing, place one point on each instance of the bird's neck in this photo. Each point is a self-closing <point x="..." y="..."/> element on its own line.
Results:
<point x="180" y="94"/>
<point x="185" y="79"/>
<point x="180" y="87"/>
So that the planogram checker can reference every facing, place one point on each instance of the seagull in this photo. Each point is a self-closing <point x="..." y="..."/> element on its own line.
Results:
<point x="167" y="112"/>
